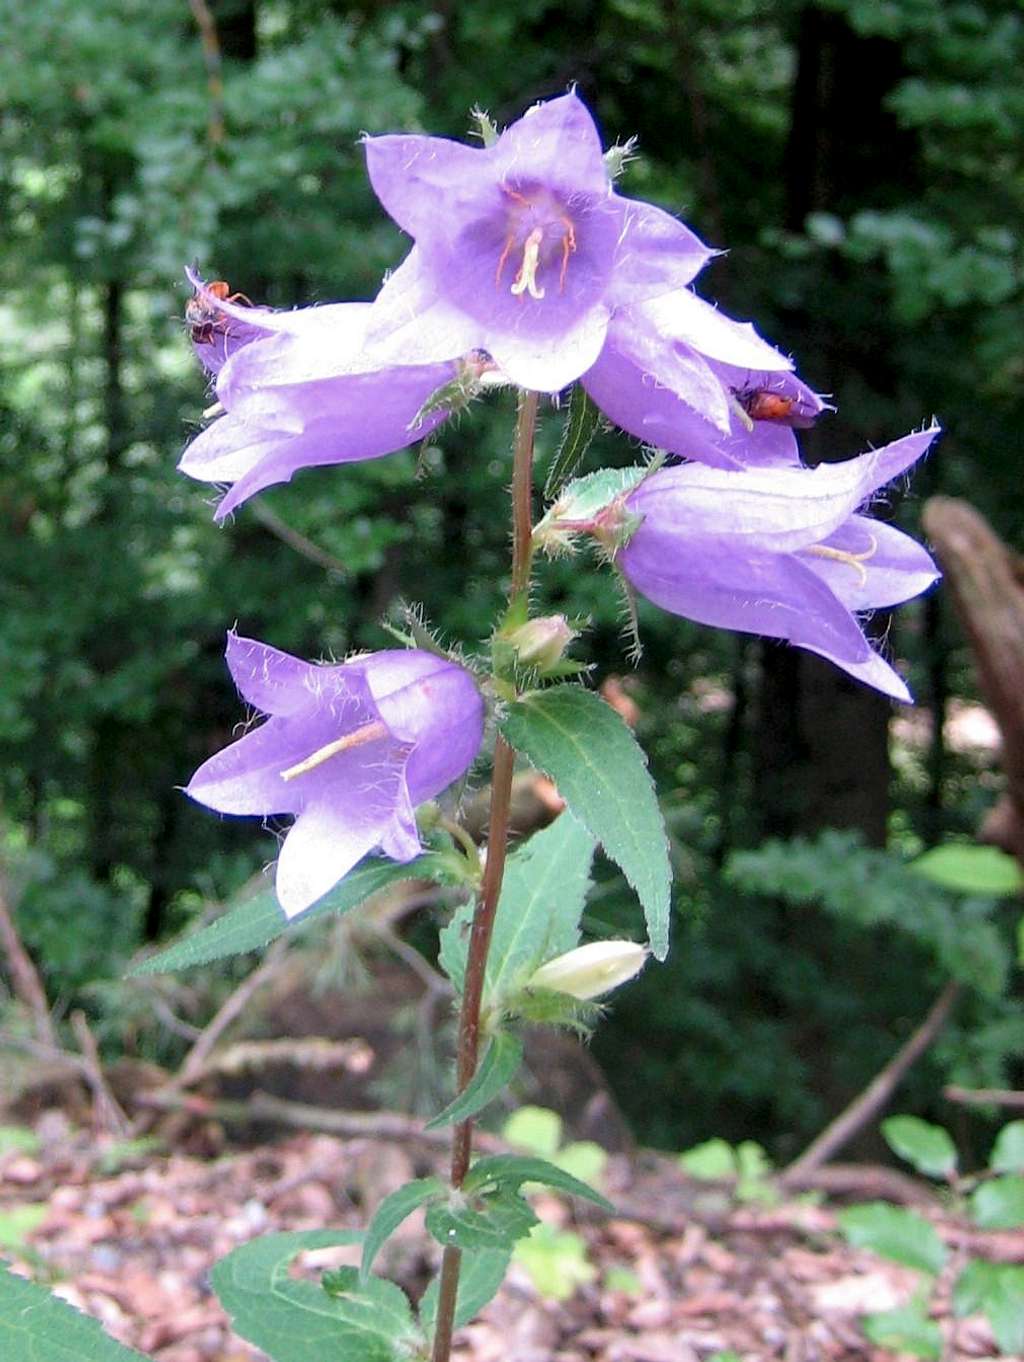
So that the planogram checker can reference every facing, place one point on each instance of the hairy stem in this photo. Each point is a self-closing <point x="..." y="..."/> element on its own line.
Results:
<point x="494" y="870"/>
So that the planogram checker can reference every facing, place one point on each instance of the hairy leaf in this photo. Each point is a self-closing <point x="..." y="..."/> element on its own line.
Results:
<point x="392" y="1211"/>
<point x="36" y="1326"/>
<point x="582" y="421"/>
<point x="512" y="1170"/>
<point x="498" y="1067"/>
<point x="482" y="1273"/>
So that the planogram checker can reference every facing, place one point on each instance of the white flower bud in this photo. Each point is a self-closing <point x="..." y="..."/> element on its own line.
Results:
<point x="591" y="970"/>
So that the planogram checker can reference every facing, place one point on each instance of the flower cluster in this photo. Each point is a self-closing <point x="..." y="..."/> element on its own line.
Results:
<point x="527" y="268"/>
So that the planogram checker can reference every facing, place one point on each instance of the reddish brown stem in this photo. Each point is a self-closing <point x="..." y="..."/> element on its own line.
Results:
<point x="494" y="870"/>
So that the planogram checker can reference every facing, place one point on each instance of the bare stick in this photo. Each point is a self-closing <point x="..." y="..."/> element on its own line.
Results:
<point x="296" y="540"/>
<point x="25" y="978"/>
<point x="197" y="1058"/>
<point x="214" y="77"/>
<point x="863" y="1109"/>
<point x="996" y="1097"/>
<point x="107" y="1110"/>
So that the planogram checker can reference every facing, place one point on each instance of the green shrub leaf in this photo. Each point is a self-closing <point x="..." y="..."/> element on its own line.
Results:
<point x="1008" y="1151"/>
<point x="926" y="1146"/>
<point x="894" y="1233"/>
<point x="966" y="869"/>
<point x="392" y="1211"/>
<point x="999" y="1205"/>
<point x="498" y="1067"/>
<point x="38" y="1327"/>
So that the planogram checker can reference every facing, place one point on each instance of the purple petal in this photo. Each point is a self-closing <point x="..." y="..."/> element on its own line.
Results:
<point x="414" y="323"/>
<point x="226" y="450"/>
<point x="554" y="143"/>
<point x="268" y="679"/>
<point x="679" y="368"/>
<point x="324" y="844"/>
<point x="682" y="316"/>
<point x="655" y="254"/>
<point x="892" y="566"/>
<point x="329" y="341"/>
<point x="401" y="838"/>
<point x="421" y="180"/>
<point x="245" y="778"/>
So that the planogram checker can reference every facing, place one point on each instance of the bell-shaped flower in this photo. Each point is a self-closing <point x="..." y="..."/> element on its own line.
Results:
<point x="523" y="249"/>
<point x="782" y="552"/>
<point x="300" y="389"/>
<point x="350" y="750"/>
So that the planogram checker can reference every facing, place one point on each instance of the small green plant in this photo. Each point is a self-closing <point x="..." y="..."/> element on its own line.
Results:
<point x="993" y="1198"/>
<point x="745" y="1165"/>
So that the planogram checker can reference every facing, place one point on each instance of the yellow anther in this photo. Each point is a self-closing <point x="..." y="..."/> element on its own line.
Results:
<point x="526" y="280"/>
<point x="359" y="736"/>
<point x="568" y="247"/>
<point x="854" y="560"/>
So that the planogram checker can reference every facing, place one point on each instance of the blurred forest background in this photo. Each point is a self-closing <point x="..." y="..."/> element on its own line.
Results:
<point x="862" y="162"/>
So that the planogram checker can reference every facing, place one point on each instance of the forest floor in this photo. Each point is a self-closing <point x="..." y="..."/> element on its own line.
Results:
<point x="128" y="1234"/>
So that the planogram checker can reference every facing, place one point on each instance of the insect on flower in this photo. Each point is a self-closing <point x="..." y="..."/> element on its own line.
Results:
<point x="762" y="405"/>
<point x="202" y="317"/>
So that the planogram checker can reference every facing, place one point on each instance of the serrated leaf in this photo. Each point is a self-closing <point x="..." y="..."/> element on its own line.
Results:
<point x="498" y="1067"/>
<point x="259" y="919"/>
<point x="905" y="1330"/>
<point x="1008" y="1151"/>
<point x="496" y="1223"/>
<point x="582" y="422"/>
<point x="293" y="1320"/>
<point x="927" y="1147"/>
<point x="967" y="869"/>
<point x="392" y="1211"/>
<point x="36" y="1326"/>
<point x="538" y="914"/>
<point x="999" y="1204"/>
<point x="601" y="772"/>
<point x="480" y="1278"/>
<point x="894" y="1233"/>
<point x="512" y="1170"/>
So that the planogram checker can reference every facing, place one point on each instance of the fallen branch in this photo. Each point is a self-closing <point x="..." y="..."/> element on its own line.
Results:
<point x="25" y="979"/>
<point x="106" y="1109"/>
<point x="863" y="1109"/>
<point x="198" y="1058"/>
<point x="996" y="1097"/>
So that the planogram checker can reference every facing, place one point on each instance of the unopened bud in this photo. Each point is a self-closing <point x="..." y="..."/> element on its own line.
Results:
<point x="541" y="643"/>
<point x="591" y="970"/>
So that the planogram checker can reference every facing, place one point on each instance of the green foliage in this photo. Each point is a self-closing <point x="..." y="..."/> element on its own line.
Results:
<point x="539" y="1131"/>
<point x="746" y="1165"/>
<point x="18" y="1140"/>
<point x="999" y="1204"/>
<point x="493" y="1221"/>
<point x="482" y="1274"/>
<point x="928" y="1147"/>
<point x="258" y="919"/>
<point x="555" y="1260"/>
<point x="18" y="1222"/>
<point x="894" y="1233"/>
<point x="582" y="421"/>
<point x="996" y="1289"/>
<point x="1008" y="1151"/>
<point x="542" y="896"/>
<point x="38" y="1327"/>
<point x="291" y="1319"/>
<point x="905" y="1330"/>
<point x="395" y="1208"/>
<point x="499" y="1065"/>
<point x="602" y="774"/>
<point x="971" y="870"/>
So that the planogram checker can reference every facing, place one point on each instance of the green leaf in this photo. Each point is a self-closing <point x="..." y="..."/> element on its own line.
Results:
<point x="496" y="1223"/>
<point x="905" y="1330"/>
<point x="18" y="1222"/>
<point x="538" y="914"/>
<point x="967" y="869"/>
<point x="1008" y="1151"/>
<point x="556" y="1261"/>
<point x="392" y="1211"/>
<point x="481" y="1276"/>
<point x="585" y="496"/>
<point x="999" y="1205"/>
<point x="293" y="1320"/>
<point x="259" y="919"/>
<point x="998" y="1290"/>
<point x="928" y="1147"/>
<point x="498" y="1067"/>
<point x="537" y="1129"/>
<point x="712" y="1161"/>
<point x="512" y="1170"/>
<point x="894" y="1233"/>
<point x="584" y="1159"/>
<point x="582" y="422"/>
<point x="601" y="772"/>
<point x="38" y="1327"/>
<point x="18" y="1139"/>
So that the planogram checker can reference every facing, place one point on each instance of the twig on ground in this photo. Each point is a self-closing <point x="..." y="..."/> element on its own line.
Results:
<point x="107" y="1111"/>
<point x="864" y="1108"/>
<point x="198" y="1057"/>
<point x="25" y="978"/>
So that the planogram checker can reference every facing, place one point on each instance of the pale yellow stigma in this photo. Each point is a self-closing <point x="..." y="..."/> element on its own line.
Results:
<point x="357" y="738"/>
<point x="854" y="560"/>
<point x="526" y="280"/>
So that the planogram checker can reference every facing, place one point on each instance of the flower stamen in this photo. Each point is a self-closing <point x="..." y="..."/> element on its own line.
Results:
<point x="526" y="280"/>
<point x="854" y="560"/>
<point x="368" y="733"/>
<point x="568" y="248"/>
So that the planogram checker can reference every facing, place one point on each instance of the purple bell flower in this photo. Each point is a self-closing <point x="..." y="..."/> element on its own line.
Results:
<point x="782" y="552"/>
<point x="300" y="390"/>
<point x="350" y="750"/>
<point x="523" y="249"/>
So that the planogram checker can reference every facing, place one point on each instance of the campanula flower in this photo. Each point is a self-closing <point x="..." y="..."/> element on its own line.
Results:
<point x="785" y="552"/>
<point x="350" y="750"/>
<point x="522" y="249"/>
<point x="299" y="389"/>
